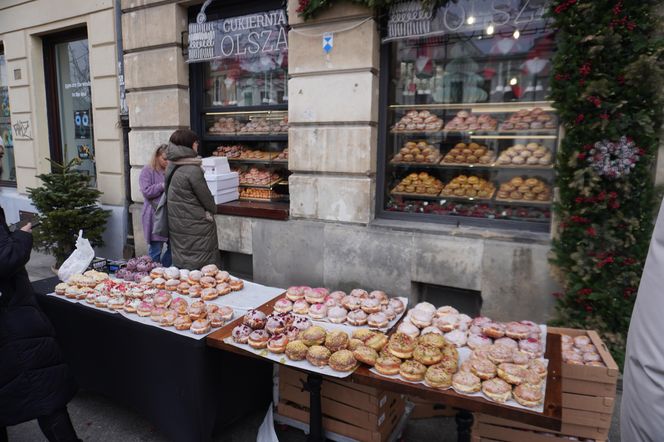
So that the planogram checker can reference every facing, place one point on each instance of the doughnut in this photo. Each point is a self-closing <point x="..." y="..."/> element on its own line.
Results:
<point x="296" y="350"/>
<point x="377" y="341"/>
<point x="258" y="339"/>
<point x="466" y="382"/>
<point x="437" y="377"/>
<point x="581" y="340"/>
<point x="240" y="333"/>
<point x="446" y="310"/>
<point x="363" y="334"/>
<point x="159" y="283"/>
<point x="357" y="317"/>
<point x="195" y="277"/>
<point x="312" y="296"/>
<point x="531" y="377"/>
<point x="209" y="270"/>
<point x="351" y="302"/>
<point x="337" y="314"/>
<point x="318" y="311"/>
<point x="421" y="318"/>
<point x="528" y="395"/>
<point x="365" y="354"/>
<point x="499" y="354"/>
<point x="157" y="272"/>
<point x="342" y="360"/>
<point x="115" y="303"/>
<point x="408" y="329"/>
<point x="302" y="323"/>
<point x="222" y="276"/>
<point x="521" y="358"/>
<point x="338" y="296"/>
<point x="511" y="373"/>
<point x="377" y="320"/>
<point x="330" y="302"/>
<point x="195" y="291"/>
<point x="92" y="297"/>
<point x="156" y="314"/>
<point x="388" y="365"/>
<point x="182" y="323"/>
<point x="275" y="325"/>
<point x="412" y="370"/>
<point x="197" y="310"/>
<point x="283" y="305"/>
<point x="427" y="354"/>
<point x="209" y="294"/>
<point x="168" y="318"/>
<point x="144" y="309"/>
<point x="591" y="357"/>
<point x="208" y="282"/>
<point x="431" y="330"/>
<point x="184" y="274"/>
<point x="516" y="330"/>
<point x="477" y="341"/>
<point x="359" y="293"/>
<point x="397" y="305"/>
<point x="172" y="273"/>
<point x="457" y="337"/>
<point x="481" y="321"/>
<point x="464" y="322"/>
<point x="255" y="319"/>
<point x="226" y="312"/>
<point x="433" y="339"/>
<point x="507" y="342"/>
<point x="162" y="299"/>
<point x="389" y="312"/>
<point x="497" y="389"/>
<point x="336" y="340"/>
<point x="301" y="307"/>
<point x="538" y="367"/>
<point x="314" y="335"/>
<point x="295" y="293"/>
<point x="61" y="288"/>
<point x="482" y="368"/>
<point x="531" y="346"/>
<point x="183" y="288"/>
<point x="446" y="323"/>
<point x="223" y="289"/>
<point x="180" y="306"/>
<point x="380" y="296"/>
<point x="426" y="306"/>
<point x="236" y="284"/>
<point x="493" y="330"/>
<point x="172" y="285"/>
<point x="588" y="348"/>
<point x="401" y="345"/>
<point x="318" y="355"/>
<point x="370" y="305"/>
<point x="277" y="343"/>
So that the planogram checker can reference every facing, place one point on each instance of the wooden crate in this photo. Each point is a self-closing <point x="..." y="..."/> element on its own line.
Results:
<point x="427" y="409"/>
<point x="351" y="410"/>
<point x="484" y="432"/>
<point x="567" y="429"/>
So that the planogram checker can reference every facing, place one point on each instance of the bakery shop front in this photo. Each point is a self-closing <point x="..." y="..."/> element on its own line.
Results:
<point x="404" y="151"/>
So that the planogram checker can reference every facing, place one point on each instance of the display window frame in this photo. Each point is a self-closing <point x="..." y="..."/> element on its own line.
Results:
<point x="8" y="183"/>
<point x="383" y="163"/>
<point x="200" y="112"/>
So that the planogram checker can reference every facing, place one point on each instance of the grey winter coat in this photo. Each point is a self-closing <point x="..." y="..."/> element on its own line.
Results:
<point x="191" y="209"/>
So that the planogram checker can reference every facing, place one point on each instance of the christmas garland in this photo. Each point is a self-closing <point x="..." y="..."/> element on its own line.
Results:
<point x="608" y="78"/>
<point x="307" y="9"/>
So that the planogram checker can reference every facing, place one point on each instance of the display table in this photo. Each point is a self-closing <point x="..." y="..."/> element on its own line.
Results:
<point x="550" y="418"/>
<point x="181" y="385"/>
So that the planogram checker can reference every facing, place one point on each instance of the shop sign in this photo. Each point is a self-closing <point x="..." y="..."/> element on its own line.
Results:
<point x="246" y="36"/>
<point x="411" y="19"/>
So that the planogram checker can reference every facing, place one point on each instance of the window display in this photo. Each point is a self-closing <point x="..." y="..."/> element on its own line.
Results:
<point x="8" y="175"/>
<point x="468" y="131"/>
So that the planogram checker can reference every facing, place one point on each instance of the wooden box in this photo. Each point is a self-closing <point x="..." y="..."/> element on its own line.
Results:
<point x="567" y="429"/>
<point x="484" y="432"/>
<point x="427" y="409"/>
<point x="351" y="410"/>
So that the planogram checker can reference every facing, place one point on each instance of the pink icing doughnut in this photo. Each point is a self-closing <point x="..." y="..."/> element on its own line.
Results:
<point x="318" y="311"/>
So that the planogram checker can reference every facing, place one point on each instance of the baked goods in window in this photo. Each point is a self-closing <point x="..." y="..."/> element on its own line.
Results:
<point x="469" y="153"/>
<point x="233" y="151"/>
<point x="258" y="177"/>
<point x="530" y="154"/>
<point x="417" y="152"/>
<point x="420" y="184"/>
<point x="225" y="125"/>
<point x="422" y="121"/>
<point x="529" y="119"/>
<point x="465" y="121"/>
<point x="469" y="187"/>
<point x="524" y="189"/>
<point x="282" y="156"/>
<point x="260" y="194"/>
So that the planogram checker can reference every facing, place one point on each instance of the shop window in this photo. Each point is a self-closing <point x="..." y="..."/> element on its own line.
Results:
<point x="67" y="65"/>
<point x="239" y="97"/>
<point x="467" y="133"/>
<point x="8" y="176"/>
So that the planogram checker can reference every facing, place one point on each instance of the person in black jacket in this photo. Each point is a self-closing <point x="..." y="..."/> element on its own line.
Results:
<point x="34" y="380"/>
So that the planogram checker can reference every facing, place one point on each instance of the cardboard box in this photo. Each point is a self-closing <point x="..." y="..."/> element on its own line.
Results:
<point x="226" y="196"/>
<point x="215" y="165"/>
<point x="222" y="182"/>
<point x="568" y="429"/>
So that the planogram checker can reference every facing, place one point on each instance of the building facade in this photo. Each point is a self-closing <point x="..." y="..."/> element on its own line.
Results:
<point x="60" y="99"/>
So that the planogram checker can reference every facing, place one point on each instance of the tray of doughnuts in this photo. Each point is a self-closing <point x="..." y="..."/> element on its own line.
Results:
<point x="420" y="183"/>
<point x="466" y="121"/>
<point x="523" y="189"/>
<point x="469" y="187"/>
<point x="529" y="120"/>
<point x="469" y="154"/>
<point x="525" y="155"/>
<point x="417" y="152"/>
<point x="230" y="152"/>
<point x="296" y="341"/>
<point x="418" y="121"/>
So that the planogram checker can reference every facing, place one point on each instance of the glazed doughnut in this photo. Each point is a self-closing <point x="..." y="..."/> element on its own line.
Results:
<point x="426" y="306"/>
<point x="209" y="270"/>
<point x="431" y="330"/>
<point x="446" y="310"/>
<point x="427" y="354"/>
<point x="236" y="284"/>
<point x="195" y="277"/>
<point x="521" y="358"/>
<point x="357" y="317"/>
<point x="538" y="366"/>
<point x="336" y="340"/>
<point x="464" y="322"/>
<point x="437" y="377"/>
<point x="200" y="326"/>
<point x="162" y="299"/>
<point x="433" y="339"/>
<point x="216" y="320"/>
<point x="528" y="395"/>
<point x="512" y="373"/>
<point x="222" y="276"/>
<point x="370" y="305"/>
<point x="183" y="288"/>
<point x="159" y="283"/>
<point x="481" y="321"/>
<point x="389" y="312"/>
<point x="338" y="296"/>
<point x="211" y="308"/>
<point x="172" y="273"/>
<point x="351" y="302"/>
<point x="499" y="354"/>
<point x="184" y="275"/>
<point x="296" y="350"/>
<point x="591" y="357"/>
<point x="482" y="368"/>
<point x="183" y="323"/>
<point x="114" y="303"/>
<point x="531" y="346"/>
<point x="180" y="306"/>
<point x="457" y="337"/>
<point x="388" y="365"/>
<point x="144" y="309"/>
<point x="318" y="355"/>
<point x="342" y="360"/>
<point x="446" y="323"/>
<point x="209" y="294"/>
<point x="157" y="272"/>
<point x="275" y="324"/>
<point x="92" y="297"/>
<point x="582" y="340"/>
<point x="295" y="293"/>
<point x="61" y="288"/>
<point x="507" y="342"/>
<point x="255" y="319"/>
<point x="516" y="330"/>
<point x="377" y="341"/>
<point x="240" y="333"/>
<point x="208" y="282"/>
<point x="532" y="378"/>
<point x="156" y="314"/>
<point x="380" y="296"/>
<point x="314" y="335"/>
<point x="301" y="307"/>
<point x="277" y="343"/>
<point x="258" y="339"/>
<point x="195" y="291"/>
<point x="412" y="371"/>
<point x="494" y="330"/>
<point x="466" y="382"/>
<point x="421" y="318"/>
<point x="223" y="289"/>
<point x="283" y="305"/>
<point x="313" y="296"/>
<point x="318" y="311"/>
<point x="408" y="329"/>
<point x="197" y="310"/>
<point x="167" y="319"/>
<point x="477" y="341"/>
<point x="337" y="314"/>
<point x="302" y="323"/>
<point x="331" y="302"/>
<point x="497" y="390"/>
<point x="401" y="345"/>
<point x="590" y="348"/>
<point x="377" y="320"/>
<point x="397" y="305"/>
<point x="359" y="293"/>
<point x="363" y="334"/>
<point x="365" y="354"/>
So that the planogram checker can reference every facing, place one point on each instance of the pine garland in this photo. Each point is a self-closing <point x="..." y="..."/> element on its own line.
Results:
<point x="607" y="88"/>
<point x="66" y="204"/>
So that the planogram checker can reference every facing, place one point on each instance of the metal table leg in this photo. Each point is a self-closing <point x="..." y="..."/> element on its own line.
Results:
<point x="313" y="385"/>
<point x="464" y="421"/>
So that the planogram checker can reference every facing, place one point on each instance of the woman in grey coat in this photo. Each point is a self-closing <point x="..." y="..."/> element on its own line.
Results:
<point x="191" y="207"/>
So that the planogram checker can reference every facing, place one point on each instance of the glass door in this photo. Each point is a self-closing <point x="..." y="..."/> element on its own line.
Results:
<point x="8" y="173"/>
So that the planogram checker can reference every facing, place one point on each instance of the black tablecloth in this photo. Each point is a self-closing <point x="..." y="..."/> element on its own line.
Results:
<point x="182" y="386"/>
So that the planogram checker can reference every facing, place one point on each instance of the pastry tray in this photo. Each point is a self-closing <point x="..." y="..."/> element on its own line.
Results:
<point x="414" y="132"/>
<point x="415" y="195"/>
<point x="522" y="166"/>
<point x="468" y="198"/>
<point x="524" y="202"/>
<point x="418" y="164"/>
<point x="261" y="186"/>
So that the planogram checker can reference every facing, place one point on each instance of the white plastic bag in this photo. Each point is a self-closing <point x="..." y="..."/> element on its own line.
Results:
<point x="266" y="431"/>
<point x="79" y="260"/>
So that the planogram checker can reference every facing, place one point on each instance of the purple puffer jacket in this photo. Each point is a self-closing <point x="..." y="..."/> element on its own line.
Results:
<point x="151" y="182"/>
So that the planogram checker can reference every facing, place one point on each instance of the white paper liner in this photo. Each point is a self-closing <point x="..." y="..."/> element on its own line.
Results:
<point x="251" y="296"/>
<point x="464" y="354"/>
<point x="304" y="365"/>
<point x="351" y="328"/>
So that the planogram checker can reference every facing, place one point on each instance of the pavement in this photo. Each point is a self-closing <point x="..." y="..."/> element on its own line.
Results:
<point x="97" y="418"/>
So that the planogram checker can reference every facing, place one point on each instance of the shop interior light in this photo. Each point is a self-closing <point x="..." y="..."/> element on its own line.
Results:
<point x="516" y="34"/>
<point x="513" y="81"/>
<point x="490" y="30"/>
<point x="471" y="20"/>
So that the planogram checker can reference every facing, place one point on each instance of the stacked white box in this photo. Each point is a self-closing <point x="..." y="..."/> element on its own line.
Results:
<point x="223" y="183"/>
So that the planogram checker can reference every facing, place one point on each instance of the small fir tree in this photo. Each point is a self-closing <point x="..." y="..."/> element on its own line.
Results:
<point x="66" y="204"/>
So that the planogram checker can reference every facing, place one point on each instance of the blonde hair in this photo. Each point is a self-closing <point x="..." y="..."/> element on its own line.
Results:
<point x="154" y="161"/>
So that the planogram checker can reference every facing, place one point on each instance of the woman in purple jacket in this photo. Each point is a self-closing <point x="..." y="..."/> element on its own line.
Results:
<point x="151" y="182"/>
